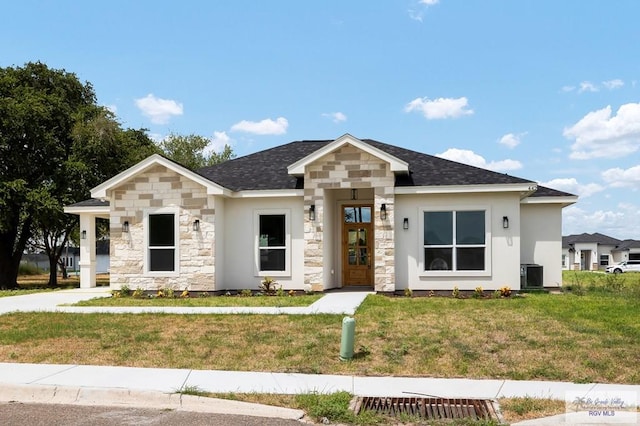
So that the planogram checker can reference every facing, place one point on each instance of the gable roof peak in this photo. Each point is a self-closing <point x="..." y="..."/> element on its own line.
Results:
<point x="396" y="164"/>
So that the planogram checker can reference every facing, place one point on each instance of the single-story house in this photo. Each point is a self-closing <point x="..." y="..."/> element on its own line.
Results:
<point x="588" y="252"/>
<point x="321" y="215"/>
<point x="592" y="252"/>
<point x="626" y="250"/>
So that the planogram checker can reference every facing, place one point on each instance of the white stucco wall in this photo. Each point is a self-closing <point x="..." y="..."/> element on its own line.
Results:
<point x="239" y="244"/>
<point x="219" y="243"/>
<point x="541" y="231"/>
<point x="503" y="246"/>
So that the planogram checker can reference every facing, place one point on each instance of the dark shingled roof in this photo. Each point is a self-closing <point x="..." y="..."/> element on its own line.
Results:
<point x="589" y="238"/>
<point x="268" y="169"/>
<point x="543" y="191"/>
<point x="91" y="202"/>
<point x="628" y="244"/>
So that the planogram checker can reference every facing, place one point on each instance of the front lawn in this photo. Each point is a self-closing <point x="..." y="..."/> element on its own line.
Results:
<point x="593" y="337"/>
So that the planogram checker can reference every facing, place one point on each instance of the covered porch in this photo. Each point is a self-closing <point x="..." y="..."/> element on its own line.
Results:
<point x="89" y="211"/>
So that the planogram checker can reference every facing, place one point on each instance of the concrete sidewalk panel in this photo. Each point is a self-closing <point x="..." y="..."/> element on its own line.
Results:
<point x="294" y="383"/>
<point x="232" y="381"/>
<point x="152" y="379"/>
<point x="30" y="373"/>
<point x="541" y="389"/>
<point x="410" y="386"/>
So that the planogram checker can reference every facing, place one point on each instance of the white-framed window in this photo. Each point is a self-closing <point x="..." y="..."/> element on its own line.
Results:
<point x="564" y="260"/>
<point x="161" y="237"/>
<point x="604" y="260"/>
<point x="455" y="241"/>
<point x="272" y="242"/>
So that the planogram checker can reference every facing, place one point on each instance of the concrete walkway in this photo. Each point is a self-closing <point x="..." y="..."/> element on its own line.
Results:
<point x="339" y="303"/>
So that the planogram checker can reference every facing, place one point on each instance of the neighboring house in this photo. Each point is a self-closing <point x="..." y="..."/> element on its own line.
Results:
<point x="627" y="250"/>
<point x="322" y="215"/>
<point x="71" y="258"/>
<point x="592" y="252"/>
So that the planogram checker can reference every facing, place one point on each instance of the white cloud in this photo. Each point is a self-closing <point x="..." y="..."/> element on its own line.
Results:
<point x="264" y="127"/>
<point x="158" y="110"/>
<point x="613" y="84"/>
<point x="572" y="186"/>
<point x="217" y="142"/>
<point x="620" y="222"/>
<point x="568" y="88"/>
<point x="440" y="108"/>
<point x="511" y="140"/>
<point x="619" y="178"/>
<point x="337" y="117"/>
<point x="469" y="157"/>
<point x="112" y="108"/>
<point x="587" y="86"/>
<point x="599" y="135"/>
<point x="418" y="14"/>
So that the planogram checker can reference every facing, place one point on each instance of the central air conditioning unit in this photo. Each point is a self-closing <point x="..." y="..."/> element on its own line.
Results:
<point x="530" y="276"/>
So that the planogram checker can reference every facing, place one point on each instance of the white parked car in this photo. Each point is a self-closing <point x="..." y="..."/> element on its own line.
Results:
<point x="626" y="266"/>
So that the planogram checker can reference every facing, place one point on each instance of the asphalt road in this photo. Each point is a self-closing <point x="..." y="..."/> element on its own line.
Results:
<point x="75" y="415"/>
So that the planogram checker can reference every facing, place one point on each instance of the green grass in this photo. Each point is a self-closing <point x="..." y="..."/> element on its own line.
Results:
<point x="212" y="301"/>
<point x="21" y="292"/>
<point x="594" y="337"/>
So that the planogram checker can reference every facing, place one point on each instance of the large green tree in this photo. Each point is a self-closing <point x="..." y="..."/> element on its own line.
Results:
<point x="55" y="144"/>
<point x="39" y="107"/>
<point x="190" y="151"/>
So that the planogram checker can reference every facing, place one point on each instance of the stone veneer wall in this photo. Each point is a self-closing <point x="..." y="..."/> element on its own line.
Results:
<point x="348" y="167"/>
<point x="160" y="187"/>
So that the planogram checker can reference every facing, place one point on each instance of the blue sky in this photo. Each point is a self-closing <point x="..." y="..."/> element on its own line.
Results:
<point x="544" y="90"/>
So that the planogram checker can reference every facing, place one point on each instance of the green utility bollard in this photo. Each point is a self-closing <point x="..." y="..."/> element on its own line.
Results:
<point x="348" y="332"/>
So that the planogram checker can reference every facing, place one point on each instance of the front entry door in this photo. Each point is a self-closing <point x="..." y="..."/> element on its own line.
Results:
<point x="357" y="240"/>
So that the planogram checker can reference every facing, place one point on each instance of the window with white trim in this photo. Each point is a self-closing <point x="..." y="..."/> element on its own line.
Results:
<point x="454" y="240"/>
<point x="604" y="260"/>
<point x="273" y="238"/>
<point x="161" y="240"/>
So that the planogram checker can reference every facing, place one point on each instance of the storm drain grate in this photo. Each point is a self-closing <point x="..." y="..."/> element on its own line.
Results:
<point x="428" y="408"/>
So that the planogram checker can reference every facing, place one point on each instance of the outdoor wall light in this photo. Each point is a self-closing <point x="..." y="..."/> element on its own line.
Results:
<point x="312" y="212"/>
<point x="354" y="194"/>
<point x="405" y="223"/>
<point x="196" y="225"/>
<point x="383" y="211"/>
<point x="125" y="226"/>
<point x="505" y="222"/>
<point x="84" y="235"/>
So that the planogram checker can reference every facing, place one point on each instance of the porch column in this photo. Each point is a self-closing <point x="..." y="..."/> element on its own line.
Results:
<point x="87" y="250"/>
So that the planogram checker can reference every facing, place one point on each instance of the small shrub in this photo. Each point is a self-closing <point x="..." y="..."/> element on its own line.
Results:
<point x="125" y="291"/>
<point x="115" y="293"/>
<point x="184" y="294"/>
<point x="497" y="294"/>
<point x="28" y="269"/>
<point x="280" y="292"/>
<point x="478" y="292"/>
<point x="268" y="285"/>
<point x="204" y="294"/>
<point x="408" y="292"/>
<point x="432" y="293"/>
<point x="456" y="292"/>
<point x="505" y="291"/>
<point x="292" y="293"/>
<point x="246" y="293"/>
<point x="138" y="293"/>
<point x="614" y="282"/>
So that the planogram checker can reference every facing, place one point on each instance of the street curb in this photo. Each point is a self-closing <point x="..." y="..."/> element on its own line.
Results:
<point x="73" y="395"/>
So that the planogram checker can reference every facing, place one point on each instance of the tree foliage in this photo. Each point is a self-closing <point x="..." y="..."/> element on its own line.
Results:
<point x="191" y="151"/>
<point x="55" y="144"/>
